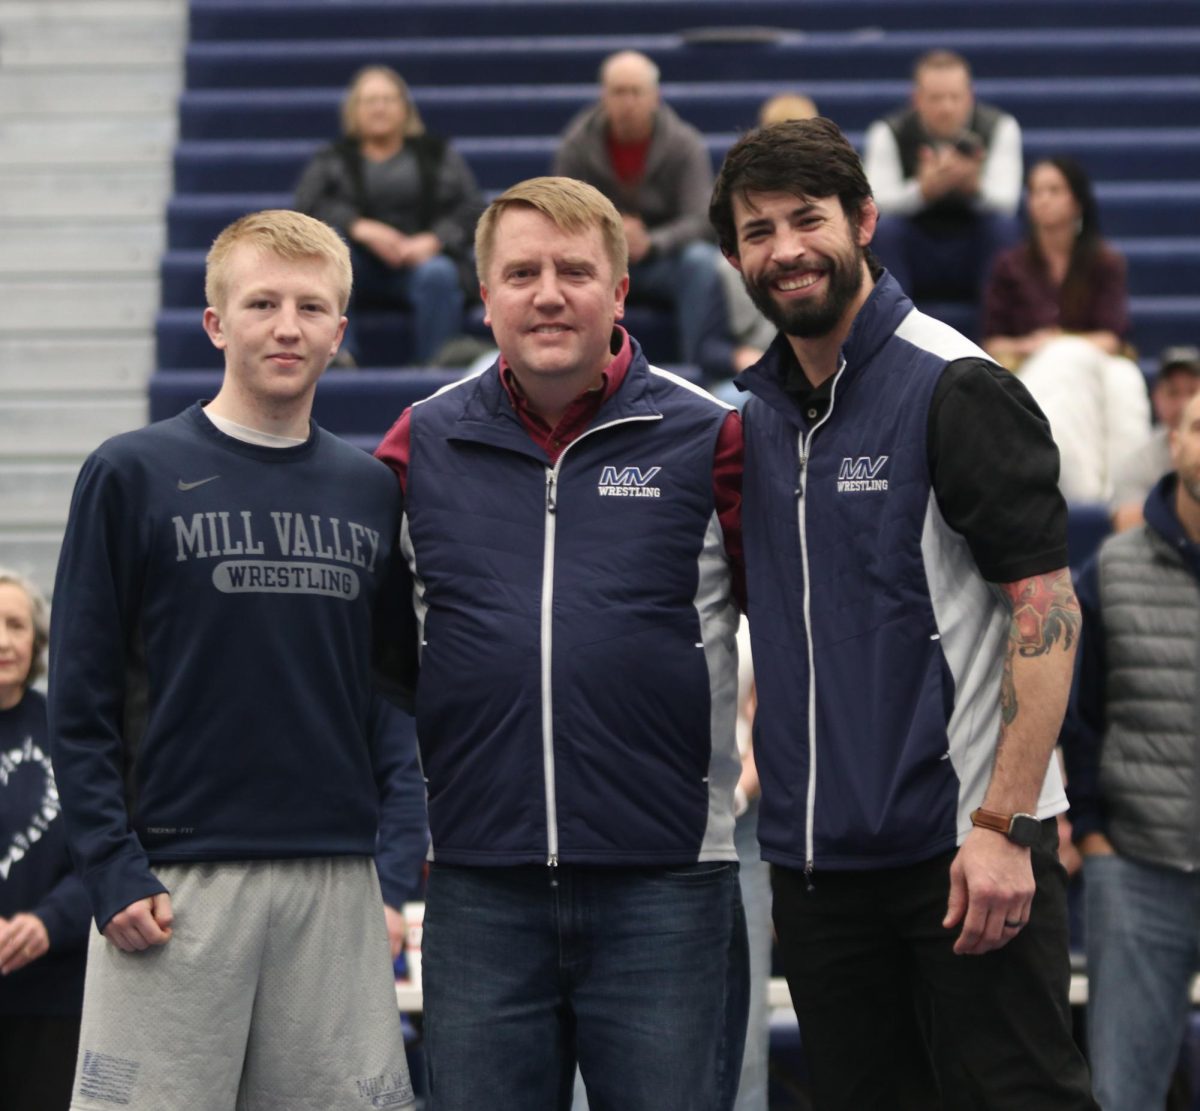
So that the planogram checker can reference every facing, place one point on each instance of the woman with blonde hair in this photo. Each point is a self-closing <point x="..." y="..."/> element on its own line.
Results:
<point x="44" y="913"/>
<point x="405" y="201"/>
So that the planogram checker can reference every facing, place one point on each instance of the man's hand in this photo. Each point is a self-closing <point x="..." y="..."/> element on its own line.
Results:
<point x="964" y="171"/>
<point x="23" y="938"/>
<point x="142" y="924"/>
<point x="397" y="928"/>
<point x="943" y="170"/>
<point x="1095" y="844"/>
<point x="637" y="236"/>
<point x="991" y="892"/>
<point x="934" y="174"/>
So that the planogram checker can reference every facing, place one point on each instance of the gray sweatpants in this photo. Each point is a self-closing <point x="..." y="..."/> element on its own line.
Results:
<point x="274" y="991"/>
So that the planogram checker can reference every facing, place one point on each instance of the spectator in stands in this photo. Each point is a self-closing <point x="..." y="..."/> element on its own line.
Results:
<point x="1133" y="764"/>
<point x="914" y="627"/>
<point x="786" y="106"/>
<point x="212" y="645"/>
<point x="1177" y="380"/>
<point x="44" y="914"/>
<point x="406" y="202"/>
<point x="1056" y="312"/>
<point x="656" y="169"/>
<point x="582" y="903"/>
<point x="946" y="176"/>
<point x="750" y="333"/>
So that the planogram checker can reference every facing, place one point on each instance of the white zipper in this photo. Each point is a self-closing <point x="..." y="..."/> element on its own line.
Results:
<point x="804" y="450"/>
<point x="547" y="638"/>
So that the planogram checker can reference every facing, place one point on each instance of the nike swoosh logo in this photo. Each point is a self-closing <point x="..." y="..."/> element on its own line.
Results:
<point x="199" y="482"/>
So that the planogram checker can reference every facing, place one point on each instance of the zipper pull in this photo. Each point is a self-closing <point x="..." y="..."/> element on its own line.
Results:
<point x="551" y="503"/>
<point x="809" y="886"/>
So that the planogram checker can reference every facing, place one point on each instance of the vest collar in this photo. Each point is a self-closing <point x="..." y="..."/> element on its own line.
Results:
<point x="488" y="415"/>
<point x="881" y="314"/>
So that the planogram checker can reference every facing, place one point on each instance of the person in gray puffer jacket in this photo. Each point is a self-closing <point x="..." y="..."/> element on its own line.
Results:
<point x="1132" y="743"/>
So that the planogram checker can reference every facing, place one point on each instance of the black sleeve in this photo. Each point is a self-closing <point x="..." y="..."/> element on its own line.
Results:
<point x="995" y="471"/>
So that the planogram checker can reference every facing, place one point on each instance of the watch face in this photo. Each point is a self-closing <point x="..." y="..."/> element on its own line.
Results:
<point x="1025" y="830"/>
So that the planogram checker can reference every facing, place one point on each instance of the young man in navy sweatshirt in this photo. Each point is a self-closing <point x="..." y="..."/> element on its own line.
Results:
<point x="209" y="720"/>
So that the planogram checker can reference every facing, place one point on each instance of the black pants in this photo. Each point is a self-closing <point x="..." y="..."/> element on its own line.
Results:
<point x="890" y="1018"/>
<point x="37" y="1062"/>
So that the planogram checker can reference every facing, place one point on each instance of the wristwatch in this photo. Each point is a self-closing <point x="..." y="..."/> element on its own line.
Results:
<point x="1020" y="829"/>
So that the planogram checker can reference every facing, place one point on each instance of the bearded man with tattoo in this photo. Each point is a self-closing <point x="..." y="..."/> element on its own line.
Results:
<point x="914" y="630"/>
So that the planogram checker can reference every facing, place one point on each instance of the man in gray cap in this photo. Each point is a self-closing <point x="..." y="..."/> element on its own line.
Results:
<point x="1178" y="378"/>
<point x="1132" y="762"/>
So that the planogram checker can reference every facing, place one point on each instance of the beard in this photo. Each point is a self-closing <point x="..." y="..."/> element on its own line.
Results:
<point x="810" y="318"/>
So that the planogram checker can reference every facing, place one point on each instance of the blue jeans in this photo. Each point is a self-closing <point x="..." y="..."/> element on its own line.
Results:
<point x="686" y="279"/>
<point x="1143" y="932"/>
<point x="639" y="974"/>
<point x="431" y="291"/>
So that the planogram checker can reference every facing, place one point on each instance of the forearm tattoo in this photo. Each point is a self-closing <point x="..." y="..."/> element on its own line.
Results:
<point x="1045" y="612"/>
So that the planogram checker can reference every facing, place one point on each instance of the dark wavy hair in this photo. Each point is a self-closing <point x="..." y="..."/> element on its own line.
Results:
<point x="1089" y="245"/>
<point x="808" y="158"/>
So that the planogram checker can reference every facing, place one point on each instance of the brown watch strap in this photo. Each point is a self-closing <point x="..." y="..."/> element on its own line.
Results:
<point x="989" y="819"/>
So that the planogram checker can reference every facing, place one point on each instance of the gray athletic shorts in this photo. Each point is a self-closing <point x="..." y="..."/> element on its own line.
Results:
<point x="274" y="992"/>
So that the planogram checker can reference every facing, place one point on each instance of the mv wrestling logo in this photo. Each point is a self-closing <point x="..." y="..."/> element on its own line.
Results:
<point x="861" y="474"/>
<point x="628" y="482"/>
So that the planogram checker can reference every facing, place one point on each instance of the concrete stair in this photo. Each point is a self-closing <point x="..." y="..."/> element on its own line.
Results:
<point x="88" y="97"/>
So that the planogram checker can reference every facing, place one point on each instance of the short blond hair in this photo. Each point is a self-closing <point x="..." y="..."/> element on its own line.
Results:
<point x="40" y="612"/>
<point x="572" y="206"/>
<point x="413" y="124"/>
<point x="786" y="106"/>
<point x="285" y="234"/>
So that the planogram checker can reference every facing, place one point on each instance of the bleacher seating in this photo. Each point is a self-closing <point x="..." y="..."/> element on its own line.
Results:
<point x="232" y="20"/>
<point x="1112" y="82"/>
